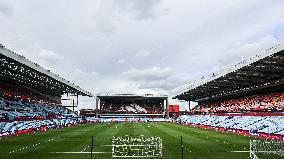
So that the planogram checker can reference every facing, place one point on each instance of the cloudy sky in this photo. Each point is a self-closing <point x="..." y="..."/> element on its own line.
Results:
<point x="139" y="46"/>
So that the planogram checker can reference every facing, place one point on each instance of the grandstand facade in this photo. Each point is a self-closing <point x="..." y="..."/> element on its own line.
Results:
<point x="130" y="105"/>
<point x="256" y="84"/>
<point x="30" y="96"/>
<point x="245" y="99"/>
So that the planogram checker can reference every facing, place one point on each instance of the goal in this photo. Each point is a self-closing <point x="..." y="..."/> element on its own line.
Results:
<point x="267" y="147"/>
<point x="137" y="146"/>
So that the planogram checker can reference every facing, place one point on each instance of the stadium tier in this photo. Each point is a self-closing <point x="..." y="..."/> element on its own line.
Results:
<point x="19" y="127"/>
<point x="17" y="102"/>
<point x="144" y="119"/>
<point x="132" y="108"/>
<point x="253" y="85"/>
<point x="271" y="102"/>
<point x="262" y="126"/>
<point x="132" y="105"/>
<point x="30" y="96"/>
<point x="18" y="110"/>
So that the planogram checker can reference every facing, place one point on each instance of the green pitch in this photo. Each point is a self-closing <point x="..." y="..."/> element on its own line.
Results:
<point x="73" y="142"/>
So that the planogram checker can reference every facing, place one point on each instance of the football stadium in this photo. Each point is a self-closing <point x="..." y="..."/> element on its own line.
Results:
<point x="239" y="114"/>
<point x="141" y="79"/>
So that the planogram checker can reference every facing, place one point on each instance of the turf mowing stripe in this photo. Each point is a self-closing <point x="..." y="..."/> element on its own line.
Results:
<point x="105" y="138"/>
<point x="170" y="144"/>
<point x="214" y="135"/>
<point x="96" y="130"/>
<point x="75" y="139"/>
<point x="43" y="136"/>
<point x="197" y="144"/>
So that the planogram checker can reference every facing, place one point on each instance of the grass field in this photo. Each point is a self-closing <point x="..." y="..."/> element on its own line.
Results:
<point x="198" y="143"/>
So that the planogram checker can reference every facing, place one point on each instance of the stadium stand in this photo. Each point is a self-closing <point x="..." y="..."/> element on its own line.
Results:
<point x="133" y="108"/>
<point x="93" y="119"/>
<point x="262" y="126"/>
<point x="30" y="96"/>
<point x="272" y="102"/>
<point x="247" y="98"/>
<point x="9" y="89"/>
<point x="132" y="105"/>
<point x="15" y="109"/>
<point x="19" y="127"/>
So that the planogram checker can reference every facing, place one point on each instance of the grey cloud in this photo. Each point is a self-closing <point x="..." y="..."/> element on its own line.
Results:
<point x="5" y="8"/>
<point x="121" y="61"/>
<point x="143" y="53"/>
<point x="142" y="9"/>
<point x="244" y="51"/>
<point x="154" y="77"/>
<point x="49" y="57"/>
<point x="135" y="46"/>
<point x="154" y="73"/>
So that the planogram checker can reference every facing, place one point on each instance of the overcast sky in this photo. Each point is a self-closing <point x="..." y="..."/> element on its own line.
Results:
<point x="139" y="46"/>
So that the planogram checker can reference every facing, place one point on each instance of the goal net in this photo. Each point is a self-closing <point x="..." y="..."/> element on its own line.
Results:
<point x="266" y="147"/>
<point x="136" y="146"/>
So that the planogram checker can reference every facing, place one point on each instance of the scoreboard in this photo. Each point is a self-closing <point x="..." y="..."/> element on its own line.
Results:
<point x="173" y="108"/>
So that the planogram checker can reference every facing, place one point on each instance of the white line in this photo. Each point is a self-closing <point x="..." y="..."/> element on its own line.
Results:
<point x="135" y="145"/>
<point x="84" y="149"/>
<point x="136" y="156"/>
<point x="256" y="151"/>
<point x="79" y="152"/>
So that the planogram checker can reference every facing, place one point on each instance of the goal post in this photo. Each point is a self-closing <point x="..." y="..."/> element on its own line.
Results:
<point x="137" y="146"/>
<point x="267" y="147"/>
<point x="252" y="153"/>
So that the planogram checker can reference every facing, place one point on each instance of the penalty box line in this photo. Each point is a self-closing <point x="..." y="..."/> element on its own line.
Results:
<point x="79" y="152"/>
<point x="258" y="151"/>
